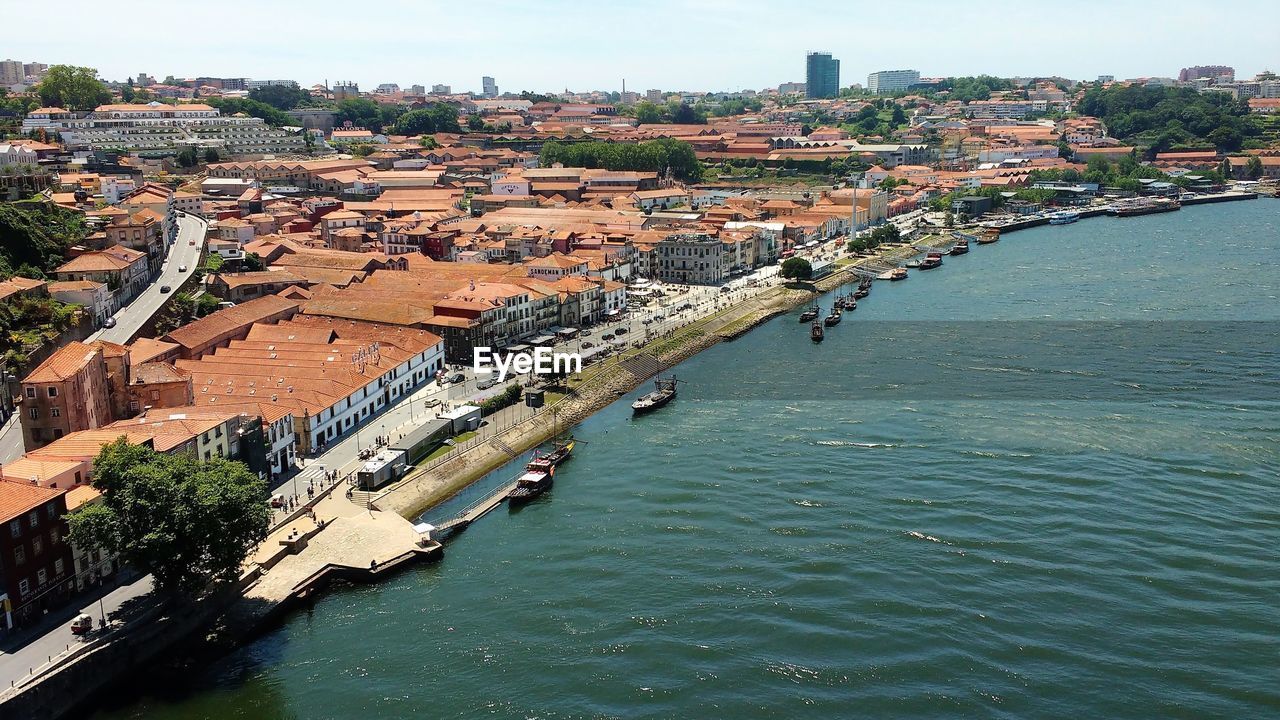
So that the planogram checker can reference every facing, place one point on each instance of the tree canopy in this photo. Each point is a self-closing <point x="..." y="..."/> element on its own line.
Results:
<point x="647" y="113"/>
<point x="797" y="268"/>
<point x="1163" y="118"/>
<point x="365" y="113"/>
<point x="436" y="117"/>
<point x="280" y="97"/>
<point x="188" y="523"/>
<point x="253" y="108"/>
<point x="73" y="88"/>
<point x="36" y="236"/>
<point x="651" y="156"/>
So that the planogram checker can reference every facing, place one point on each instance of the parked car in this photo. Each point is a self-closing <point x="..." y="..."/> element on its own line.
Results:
<point x="110" y="323"/>
<point x="182" y="268"/>
<point x="620" y="331"/>
<point x="486" y="384"/>
<point x="432" y="402"/>
<point x="587" y="345"/>
<point x="586" y="332"/>
<point x="459" y="377"/>
<point x="165" y="288"/>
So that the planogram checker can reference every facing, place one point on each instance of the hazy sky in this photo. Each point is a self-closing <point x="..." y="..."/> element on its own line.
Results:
<point x="706" y="45"/>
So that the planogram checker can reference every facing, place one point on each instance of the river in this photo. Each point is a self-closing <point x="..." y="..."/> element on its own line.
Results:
<point x="1039" y="481"/>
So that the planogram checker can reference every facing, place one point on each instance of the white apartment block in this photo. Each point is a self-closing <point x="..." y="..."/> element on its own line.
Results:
<point x="888" y="81"/>
<point x="159" y="127"/>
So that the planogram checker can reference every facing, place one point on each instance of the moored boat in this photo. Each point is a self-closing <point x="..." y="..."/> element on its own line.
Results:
<point x="1144" y="206"/>
<point x="898" y="274"/>
<point x="1066" y="217"/>
<point x="960" y="248"/>
<point x="810" y="315"/>
<point x="530" y="485"/>
<point x="664" y="392"/>
<point x="816" y="332"/>
<point x="931" y="261"/>
<point x="833" y="318"/>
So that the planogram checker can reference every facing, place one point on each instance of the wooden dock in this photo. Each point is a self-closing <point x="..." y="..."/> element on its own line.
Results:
<point x="476" y="510"/>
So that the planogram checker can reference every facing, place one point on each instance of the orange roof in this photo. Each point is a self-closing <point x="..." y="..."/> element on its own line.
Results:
<point x="81" y="495"/>
<point x="145" y="350"/>
<point x="65" y="362"/>
<point x="17" y="498"/>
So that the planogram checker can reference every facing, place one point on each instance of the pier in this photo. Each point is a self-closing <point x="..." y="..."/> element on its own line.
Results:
<point x="473" y="512"/>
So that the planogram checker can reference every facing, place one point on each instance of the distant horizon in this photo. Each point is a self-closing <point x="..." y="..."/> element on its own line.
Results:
<point x="551" y="47"/>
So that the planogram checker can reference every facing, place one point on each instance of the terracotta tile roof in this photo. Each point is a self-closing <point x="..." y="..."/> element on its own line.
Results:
<point x="17" y="498"/>
<point x="81" y="495"/>
<point x="156" y="372"/>
<point x="211" y="326"/>
<point x="25" y="468"/>
<point x="112" y="259"/>
<point x="65" y="362"/>
<point x="144" y="350"/>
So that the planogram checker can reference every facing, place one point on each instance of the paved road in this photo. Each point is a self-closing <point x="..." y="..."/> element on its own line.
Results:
<point x="183" y="253"/>
<point x="129" y="319"/>
<point x="16" y="665"/>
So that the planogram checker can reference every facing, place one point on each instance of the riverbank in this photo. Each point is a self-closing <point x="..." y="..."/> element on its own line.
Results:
<point x="600" y="385"/>
<point x="723" y="555"/>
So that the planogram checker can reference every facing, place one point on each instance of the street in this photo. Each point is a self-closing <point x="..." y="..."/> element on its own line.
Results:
<point x="16" y="663"/>
<point x="182" y="253"/>
<point x="133" y="316"/>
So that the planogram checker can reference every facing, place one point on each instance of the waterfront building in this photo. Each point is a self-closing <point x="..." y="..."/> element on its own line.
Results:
<point x="822" y="75"/>
<point x="490" y="87"/>
<point x="889" y="81"/>
<point x="690" y="258"/>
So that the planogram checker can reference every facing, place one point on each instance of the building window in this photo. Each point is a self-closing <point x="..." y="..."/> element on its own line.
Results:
<point x="42" y="577"/>
<point x="37" y="545"/>
<point x="15" y="528"/>
<point x="24" y="587"/>
<point x="19" y="555"/>
<point x="58" y="567"/>
<point x="31" y="393"/>
<point x="53" y="391"/>
<point x="33" y="518"/>
<point x="33" y="413"/>
<point x="55" y="412"/>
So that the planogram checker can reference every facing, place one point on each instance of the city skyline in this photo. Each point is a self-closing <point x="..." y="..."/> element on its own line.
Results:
<point x="283" y="44"/>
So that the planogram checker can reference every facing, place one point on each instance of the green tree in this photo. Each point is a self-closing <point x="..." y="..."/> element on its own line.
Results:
<point x="186" y="522"/>
<point x="651" y="156"/>
<point x="73" y="88"/>
<point x="683" y="114"/>
<point x="252" y="263"/>
<point x="1224" y="168"/>
<point x="475" y="123"/>
<point x="1253" y="168"/>
<point x="187" y="157"/>
<point x="252" y="108"/>
<point x="437" y="117"/>
<point x="797" y="269"/>
<point x="280" y="97"/>
<point x="211" y="155"/>
<point x="360" y="112"/>
<point x="648" y="114"/>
